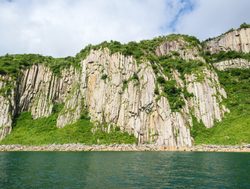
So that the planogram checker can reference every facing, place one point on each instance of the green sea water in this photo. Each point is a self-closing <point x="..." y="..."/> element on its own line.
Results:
<point x="124" y="170"/>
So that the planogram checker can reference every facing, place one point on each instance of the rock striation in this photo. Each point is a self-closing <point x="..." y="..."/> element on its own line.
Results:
<point x="131" y="103"/>
<point x="108" y="88"/>
<point x="7" y="105"/>
<point x="236" y="40"/>
<point x="207" y="92"/>
<point x="208" y="96"/>
<point x="119" y="99"/>
<point x="39" y="89"/>
<point x="183" y="48"/>
<point x="118" y="90"/>
<point x="232" y="63"/>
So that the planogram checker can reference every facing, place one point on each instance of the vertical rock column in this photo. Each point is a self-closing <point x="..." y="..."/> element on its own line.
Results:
<point x="7" y="105"/>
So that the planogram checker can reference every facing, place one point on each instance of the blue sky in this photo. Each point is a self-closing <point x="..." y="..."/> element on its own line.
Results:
<point x="63" y="27"/>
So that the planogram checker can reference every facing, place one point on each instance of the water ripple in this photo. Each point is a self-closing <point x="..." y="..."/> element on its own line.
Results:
<point x="124" y="170"/>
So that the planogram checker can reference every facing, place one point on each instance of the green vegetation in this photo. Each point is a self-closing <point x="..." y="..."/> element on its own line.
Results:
<point x="169" y="88"/>
<point x="230" y="30"/>
<point x="173" y="94"/>
<point x="182" y="66"/>
<point x="192" y="41"/>
<point x="12" y="64"/>
<point x="134" y="78"/>
<point x="41" y="131"/>
<point x="235" y="127"/>
<point x="225" y="55"/>
<point x="6" y="90"/>
<point x="104" y="76"/>
<point x="244" y="25"/>
<point x="139" y="50"/>
<point x="166" y="64"/>
<point x="198" y="131"/>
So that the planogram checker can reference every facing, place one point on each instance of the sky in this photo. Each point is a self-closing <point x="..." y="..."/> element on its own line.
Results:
<point x="62" y="28"/>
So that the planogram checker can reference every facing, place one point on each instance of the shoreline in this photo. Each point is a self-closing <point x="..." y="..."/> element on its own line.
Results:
<point x="123" y="147"/>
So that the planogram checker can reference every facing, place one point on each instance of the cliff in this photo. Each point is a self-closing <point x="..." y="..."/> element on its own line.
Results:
<point x="156" y="95"/>
<point x="235" y="40"/>
<point x="233" y="63"/>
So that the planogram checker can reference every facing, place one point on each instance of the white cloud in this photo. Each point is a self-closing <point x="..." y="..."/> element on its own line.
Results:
<point x="62" y="28"/>
<point x="213" y="17"/>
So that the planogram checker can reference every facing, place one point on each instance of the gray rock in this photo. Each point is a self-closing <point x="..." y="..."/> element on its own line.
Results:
<point x="233" y="63"/>
<point x="124" y="97"/>
<point x="236" y="40"/>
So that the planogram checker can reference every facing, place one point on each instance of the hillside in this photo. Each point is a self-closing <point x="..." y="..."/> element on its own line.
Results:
<point x="172" y="90"/>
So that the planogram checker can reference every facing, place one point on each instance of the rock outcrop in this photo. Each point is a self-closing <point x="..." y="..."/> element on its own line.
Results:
<point x="39" y="89"/>
<point x="236" y="40"/>
<point x="232" y="63"/>
<point x="131" y="103"/>
<point x="208" y="95"/>
<point x="182" y="47"/>
<point x="115" y="90"/>
<point x="118" y="90"/>
<point x="7" y="105"/>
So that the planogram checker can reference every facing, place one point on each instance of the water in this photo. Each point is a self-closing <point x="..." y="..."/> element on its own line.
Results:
<point x="124" y="170"/>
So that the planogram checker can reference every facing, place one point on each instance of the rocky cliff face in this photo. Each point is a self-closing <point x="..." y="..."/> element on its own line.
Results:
<point x="130" y="103"/>
<point x="207" y="93"/>
<point x="117" y="90"/>
<point x="39" y="89"/>
<point x="184" y="49"/>
<point x="7" y="105"/>
<point x="236" y="40"/>
<point x="233" y="63"/>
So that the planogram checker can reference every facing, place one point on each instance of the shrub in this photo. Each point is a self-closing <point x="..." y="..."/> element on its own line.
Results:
<point x="57" y="107"/>
<point x="171" y="89"/>
<point x="28" y="131"/>
<point x="156" y="91"/>
<point x="104" y="76"/>
<point x="244" y="25"/>
<point x="226" y="55"/>
<point x="161" y="79"/>
<point x="12" y="64"/>
<point x="135" y="77"/>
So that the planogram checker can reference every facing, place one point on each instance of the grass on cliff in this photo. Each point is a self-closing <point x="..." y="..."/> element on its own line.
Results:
<point x="41" y="131"/>
<point x="235" y="127"/>
<point x="225" y="55"/>
<point x="12" y="64"/>
<point x="141" y="49"/>
<point x="169" y="88"/>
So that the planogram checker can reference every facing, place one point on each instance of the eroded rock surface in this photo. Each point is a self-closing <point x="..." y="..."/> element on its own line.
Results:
<point x="180" y="48"/>
<point x="117" y="90"/>
<point x="236" y="40"/>
<point x="7" y="105"/>
<point x="208" y="95"/>
<point x="233" y="63"/>
<point x="131" y="103"/>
